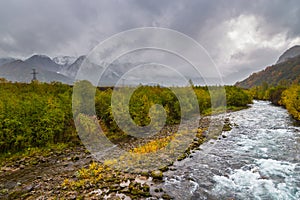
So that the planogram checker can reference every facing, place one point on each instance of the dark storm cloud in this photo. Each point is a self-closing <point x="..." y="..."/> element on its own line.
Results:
<point x="58" y="27"/>
<point x="36" y="27"/>
<point x="282" y="15"/>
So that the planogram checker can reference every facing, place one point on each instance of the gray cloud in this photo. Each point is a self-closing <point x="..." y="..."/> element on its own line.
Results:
<point x="241" y="36"/>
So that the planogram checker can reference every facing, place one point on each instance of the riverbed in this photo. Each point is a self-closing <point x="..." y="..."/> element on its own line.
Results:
<point x="258" y="159"/>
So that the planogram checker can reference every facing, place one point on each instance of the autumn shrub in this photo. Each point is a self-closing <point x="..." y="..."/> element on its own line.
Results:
<point x="290" y="98"/>
<point x="39" y="114"/>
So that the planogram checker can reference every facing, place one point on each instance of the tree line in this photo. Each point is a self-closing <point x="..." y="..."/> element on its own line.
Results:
<point x="39" y="114"/>
<point x="283" y="94"/>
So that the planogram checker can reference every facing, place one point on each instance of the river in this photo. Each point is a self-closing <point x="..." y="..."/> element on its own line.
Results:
<point x="258" y="159"/>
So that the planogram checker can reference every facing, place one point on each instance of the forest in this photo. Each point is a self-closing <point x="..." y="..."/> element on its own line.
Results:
<point x="40" y="114"/>
<point x="284" y="94"/>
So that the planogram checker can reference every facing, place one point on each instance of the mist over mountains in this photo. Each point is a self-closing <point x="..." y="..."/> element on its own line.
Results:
<point x="61" y="69"/>
<point x="64" y="69"/>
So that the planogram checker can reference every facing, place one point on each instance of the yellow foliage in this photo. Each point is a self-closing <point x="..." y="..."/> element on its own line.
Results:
<point x="153" y="146"/>
<point x="93" y="174"/>
<point x="291" y="100"/>
<point x="66" y="182"/>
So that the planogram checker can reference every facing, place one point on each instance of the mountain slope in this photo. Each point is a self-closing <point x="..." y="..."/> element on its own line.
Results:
<point x="290" y="53"/>
<point x="287" y="71"/>
<point x="6" y="60"/>
<point x="109" y="77"/>
<point x="72" y="69"/>
<point x="43" y="62"/>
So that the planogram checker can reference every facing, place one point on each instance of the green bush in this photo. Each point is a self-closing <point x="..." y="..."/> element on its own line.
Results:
<point x="34" y="115"/>
<point x="40" y="114"/>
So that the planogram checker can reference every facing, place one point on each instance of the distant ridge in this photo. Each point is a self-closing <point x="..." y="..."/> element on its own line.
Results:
<point x="290" y="53"/>
<point x="48" y="69"/>
<point x="284" y="72"/>
<point x="20" y="71"/>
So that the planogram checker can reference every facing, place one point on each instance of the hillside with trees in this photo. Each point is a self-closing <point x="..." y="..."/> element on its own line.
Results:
<point x="283" y="73"/>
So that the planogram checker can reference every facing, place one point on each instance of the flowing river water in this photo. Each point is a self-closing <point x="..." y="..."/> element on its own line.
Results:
<point x="258" y="159"/>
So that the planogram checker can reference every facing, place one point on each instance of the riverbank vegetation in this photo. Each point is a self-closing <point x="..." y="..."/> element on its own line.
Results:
<point x="283" y="94"/>
<point x="37" y="126"/>
<point x="37" y="115"/>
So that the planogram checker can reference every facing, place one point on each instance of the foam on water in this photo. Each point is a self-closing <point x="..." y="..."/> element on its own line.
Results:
<point x="259" y="159"/>
<point x="266" y="179"/>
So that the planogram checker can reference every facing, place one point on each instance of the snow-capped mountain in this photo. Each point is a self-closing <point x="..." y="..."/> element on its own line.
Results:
<point x="21" y="71"/>
<point x="71" y="70"/>
<point x="64" y="60"/>
<point x="65" y="69"/>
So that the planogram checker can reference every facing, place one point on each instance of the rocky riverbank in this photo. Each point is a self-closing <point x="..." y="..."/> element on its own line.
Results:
<point x="73" y="173"/>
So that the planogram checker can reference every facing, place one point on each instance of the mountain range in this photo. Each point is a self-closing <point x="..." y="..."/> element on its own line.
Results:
<point x="64" y="69"/>
<point x="285" y="71"/>
<point x="48" y="69"/>
<point x="61" y="69"/>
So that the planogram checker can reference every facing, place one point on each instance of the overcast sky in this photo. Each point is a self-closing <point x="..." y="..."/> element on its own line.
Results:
<point x="241" y="36"/>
